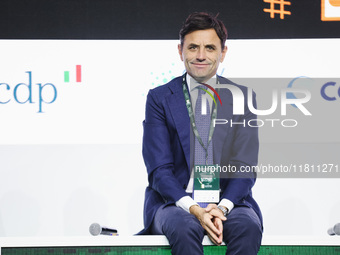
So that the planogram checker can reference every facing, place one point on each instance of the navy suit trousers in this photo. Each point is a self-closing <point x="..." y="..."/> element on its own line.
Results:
<point x="242" y="231"/>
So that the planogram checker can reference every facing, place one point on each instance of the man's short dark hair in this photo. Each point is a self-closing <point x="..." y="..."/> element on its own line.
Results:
<point x="202" y="21"/>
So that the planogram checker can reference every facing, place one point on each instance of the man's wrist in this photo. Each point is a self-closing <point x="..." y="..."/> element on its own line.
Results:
<point x="193" y="208"/>
<point x="223" y="209"/>
<point x="227" y="204"/>
<point x="185" y="203"/>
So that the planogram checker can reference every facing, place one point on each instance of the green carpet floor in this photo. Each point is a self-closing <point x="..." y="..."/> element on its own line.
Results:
<point x="208" y="250"/>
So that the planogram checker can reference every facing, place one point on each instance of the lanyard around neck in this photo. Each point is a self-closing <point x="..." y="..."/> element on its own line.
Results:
<point x="192" y="118"/>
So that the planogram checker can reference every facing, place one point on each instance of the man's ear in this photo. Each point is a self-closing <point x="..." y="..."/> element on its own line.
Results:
<point x="180" y="51"/>
<point x="224" y="51"/>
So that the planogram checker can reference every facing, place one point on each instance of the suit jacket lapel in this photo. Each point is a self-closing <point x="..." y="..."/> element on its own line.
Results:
<point x="180" y="116"/>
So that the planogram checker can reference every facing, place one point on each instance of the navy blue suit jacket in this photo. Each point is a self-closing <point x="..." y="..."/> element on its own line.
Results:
<point x="166" y="148"/>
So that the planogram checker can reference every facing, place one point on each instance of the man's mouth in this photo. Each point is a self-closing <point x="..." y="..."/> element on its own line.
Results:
<point x="200" y="64"/>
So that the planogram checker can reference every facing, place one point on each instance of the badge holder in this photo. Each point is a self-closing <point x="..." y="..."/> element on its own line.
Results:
<point x="206" y="184"/>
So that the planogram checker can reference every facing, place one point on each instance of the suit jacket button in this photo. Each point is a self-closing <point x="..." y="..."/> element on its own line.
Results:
<point x="184" y="186"/>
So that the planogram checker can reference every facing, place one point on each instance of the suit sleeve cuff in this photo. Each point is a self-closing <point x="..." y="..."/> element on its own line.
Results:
<point x="185" y="203"/>
<point x="227" y="203"/>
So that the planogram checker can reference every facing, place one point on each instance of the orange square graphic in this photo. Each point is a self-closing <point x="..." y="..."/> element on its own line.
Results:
<point x="330" y="10"/>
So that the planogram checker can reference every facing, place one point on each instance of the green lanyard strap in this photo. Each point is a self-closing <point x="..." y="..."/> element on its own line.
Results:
<point x="192" y="118"/>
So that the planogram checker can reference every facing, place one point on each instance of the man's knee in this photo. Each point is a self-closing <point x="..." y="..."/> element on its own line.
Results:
<point x="251" y="228"/>
<point x="244" y="223"/>
<point x="187" y="227"/>
<point x="242" y="232"/>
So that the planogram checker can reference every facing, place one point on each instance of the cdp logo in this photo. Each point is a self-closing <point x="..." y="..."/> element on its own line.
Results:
<point x="22" y="93"/>
<point x="30" y="92"/>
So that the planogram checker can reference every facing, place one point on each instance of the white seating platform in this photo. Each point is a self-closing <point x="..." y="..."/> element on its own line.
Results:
<point x="154" y="240"/>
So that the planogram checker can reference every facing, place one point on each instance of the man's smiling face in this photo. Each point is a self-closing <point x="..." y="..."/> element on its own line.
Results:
<point x="201" y="53"/>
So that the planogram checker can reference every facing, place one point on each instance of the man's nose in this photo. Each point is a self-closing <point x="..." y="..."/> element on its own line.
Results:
<point x="201" y="54"/>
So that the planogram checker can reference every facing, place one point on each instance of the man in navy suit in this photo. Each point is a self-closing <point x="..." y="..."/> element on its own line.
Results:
<point x="168" y="145"/>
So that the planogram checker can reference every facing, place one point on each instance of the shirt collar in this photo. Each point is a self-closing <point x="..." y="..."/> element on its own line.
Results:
<point x="194" y="84"/>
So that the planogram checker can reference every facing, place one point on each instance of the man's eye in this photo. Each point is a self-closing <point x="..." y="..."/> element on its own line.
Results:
<point x="210" y="48"/>
<point x="192" y="47"/>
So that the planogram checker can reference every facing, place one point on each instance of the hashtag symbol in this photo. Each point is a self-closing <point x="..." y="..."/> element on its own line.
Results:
<point x="280" y="11"/>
